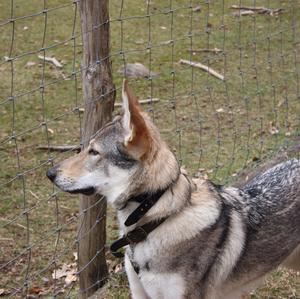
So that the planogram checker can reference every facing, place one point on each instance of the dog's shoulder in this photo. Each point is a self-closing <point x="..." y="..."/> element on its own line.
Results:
<point x="204" y="191"/>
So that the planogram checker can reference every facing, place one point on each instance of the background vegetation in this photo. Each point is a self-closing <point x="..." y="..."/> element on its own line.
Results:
<point x="216" y="128"/>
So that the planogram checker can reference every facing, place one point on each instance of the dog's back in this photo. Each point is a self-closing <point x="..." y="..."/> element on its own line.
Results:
<point x="281" y="180"/>
<point x="272" y="201"/>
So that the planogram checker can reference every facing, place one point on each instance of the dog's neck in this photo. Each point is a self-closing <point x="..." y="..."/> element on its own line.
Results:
<point x="157" y="173"/>
<point x="175" y="197"/>
<point x="160" y="172"/>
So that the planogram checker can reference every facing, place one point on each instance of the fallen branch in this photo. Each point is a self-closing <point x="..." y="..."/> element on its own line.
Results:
<point x="60" y="148"/>
<point x="6" y="239"/>
<point x="15" y="224"/>
<point x="34" y="195"/>
<point x="202" y="67"/>
<point x="197" y="8"/>
<point x="243" y="13"/>
<point x="142" y="102"/>
<point x="52" y="60"/>
<point x="214" y="50"/>
<point x="244" y="10"/>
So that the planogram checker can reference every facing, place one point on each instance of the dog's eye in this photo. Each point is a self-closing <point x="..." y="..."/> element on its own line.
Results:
<point x="93" y="152"/>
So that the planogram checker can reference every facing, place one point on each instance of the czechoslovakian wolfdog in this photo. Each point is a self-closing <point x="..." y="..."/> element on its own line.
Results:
<point x="186" y="239"/>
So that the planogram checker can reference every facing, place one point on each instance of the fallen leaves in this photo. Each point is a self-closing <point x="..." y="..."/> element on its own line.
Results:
<point x="220" y="110"/>
<point x="61" y="279"/>
<point x="67" y="271"/>
<point x="288" y="134"/>
<point x="282" y="102"/>
<point x="35" y="290"/>
<point x="51" y="131"/>
<point x="4" y="292"/>
<point x="71" y="277"/>
<point x="30" y="64"/>
<point x="203" y="173"/>
<point x="273" y="130"/>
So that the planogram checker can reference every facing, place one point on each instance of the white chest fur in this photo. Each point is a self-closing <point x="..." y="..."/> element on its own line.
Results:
<point x="163" y="286"/>
<point x="154" y="285"/>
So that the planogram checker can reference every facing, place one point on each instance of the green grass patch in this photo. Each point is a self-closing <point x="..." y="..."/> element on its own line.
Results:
<point x="216" y="128"/>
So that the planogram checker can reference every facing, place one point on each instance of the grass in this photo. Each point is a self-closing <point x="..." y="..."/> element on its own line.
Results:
<point x="214" y="127"/>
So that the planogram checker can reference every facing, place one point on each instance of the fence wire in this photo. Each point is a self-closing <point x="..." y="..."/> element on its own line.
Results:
<point x="215" y="126"/>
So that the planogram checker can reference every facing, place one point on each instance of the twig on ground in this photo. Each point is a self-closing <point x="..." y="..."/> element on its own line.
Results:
<point x="243" y="13"/>
<point x="60" y="148"/>
<point x="6" y="239"/>
<point x="15" y="223"/>
<point x="142" y="102"/>
<point x="34" y="195"/>
<point x="248" y="10"/>
<point x="202" y="67"/>
<point x="52" y="60"/>
<point x="197" y="8"/>
<point x="214" y="50"/>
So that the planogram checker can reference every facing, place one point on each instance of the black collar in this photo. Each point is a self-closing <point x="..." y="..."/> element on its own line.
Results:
<point x="147" y="201"/>
<point x="140" y="233"/>
<point x="137" y="235"/>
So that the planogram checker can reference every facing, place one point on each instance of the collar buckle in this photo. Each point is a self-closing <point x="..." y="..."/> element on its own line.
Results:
<point x="137" y="235"/>
<point x="140" y="233"/>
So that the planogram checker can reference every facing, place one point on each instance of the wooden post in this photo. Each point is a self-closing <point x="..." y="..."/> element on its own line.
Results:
<point x="99" y="94"/>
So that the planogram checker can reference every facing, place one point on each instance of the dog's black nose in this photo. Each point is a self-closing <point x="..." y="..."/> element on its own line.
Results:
<point x="52" y="173"/>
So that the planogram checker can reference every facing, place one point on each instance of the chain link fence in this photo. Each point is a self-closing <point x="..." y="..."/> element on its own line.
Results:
<point x="219" y="78"/>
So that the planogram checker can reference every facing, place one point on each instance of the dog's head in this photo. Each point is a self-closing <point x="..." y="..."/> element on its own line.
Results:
<point x="120" y="158"/>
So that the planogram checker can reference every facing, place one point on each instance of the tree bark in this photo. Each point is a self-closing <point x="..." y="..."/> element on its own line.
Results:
<point x="99" y="95"/>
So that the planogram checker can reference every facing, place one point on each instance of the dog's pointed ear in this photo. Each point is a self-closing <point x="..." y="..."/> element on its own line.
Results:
<point x="137" y="138"/>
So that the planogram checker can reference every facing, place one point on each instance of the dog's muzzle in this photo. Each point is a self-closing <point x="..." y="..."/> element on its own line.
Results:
<point x="52" y="174"/>
<point x="85" y="191"/>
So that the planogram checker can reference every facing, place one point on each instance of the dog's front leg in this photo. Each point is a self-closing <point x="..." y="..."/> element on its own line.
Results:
<point x="136" y="287"/>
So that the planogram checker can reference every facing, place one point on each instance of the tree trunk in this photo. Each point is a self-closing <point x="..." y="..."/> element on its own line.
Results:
<point x="99" y="94"/>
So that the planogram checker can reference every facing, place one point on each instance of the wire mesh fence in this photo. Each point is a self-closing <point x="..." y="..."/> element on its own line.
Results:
<point x="219" y="78"/>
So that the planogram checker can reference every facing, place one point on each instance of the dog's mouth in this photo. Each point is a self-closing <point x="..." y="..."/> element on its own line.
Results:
<point x="85" y="191"/>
